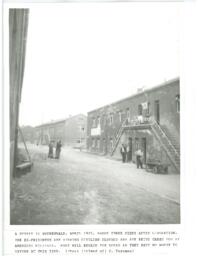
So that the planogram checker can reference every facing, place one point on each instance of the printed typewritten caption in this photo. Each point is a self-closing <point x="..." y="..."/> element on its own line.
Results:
<point x="93" y="243"/>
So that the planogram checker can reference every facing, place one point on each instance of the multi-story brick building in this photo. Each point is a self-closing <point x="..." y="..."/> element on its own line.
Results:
<point x="149" y="120"/>
<point x="71" y="131"/>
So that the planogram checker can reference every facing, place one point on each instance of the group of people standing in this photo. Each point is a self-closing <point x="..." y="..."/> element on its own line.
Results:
<point x="57" y="151"/>
<point x="126" y="153"/>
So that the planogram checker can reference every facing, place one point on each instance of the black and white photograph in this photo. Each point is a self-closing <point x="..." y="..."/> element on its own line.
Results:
<point x="95" y="113"/>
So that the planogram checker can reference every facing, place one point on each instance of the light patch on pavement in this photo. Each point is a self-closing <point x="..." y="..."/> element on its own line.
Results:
<point x="93" y="216"/>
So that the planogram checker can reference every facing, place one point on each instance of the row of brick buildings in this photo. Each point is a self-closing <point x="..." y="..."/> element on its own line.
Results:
<point x="148" y="120"/>
<point x="71" y="131"/>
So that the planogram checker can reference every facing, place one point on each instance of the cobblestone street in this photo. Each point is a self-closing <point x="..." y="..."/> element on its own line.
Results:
<point x="82" y="188"/>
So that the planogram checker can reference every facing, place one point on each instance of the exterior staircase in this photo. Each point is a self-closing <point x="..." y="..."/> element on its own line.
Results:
<point x="169" y="144"/>
<point x="168" y="141"/>
<point x="117" y="137"/>
<point x="173" y="138"/>
<point x="125" y="126"/>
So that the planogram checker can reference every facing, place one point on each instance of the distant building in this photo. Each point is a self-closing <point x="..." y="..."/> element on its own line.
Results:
<point x="28" y="133"/>
<point x="71" y="131"/>
<point x="149" y="120"/>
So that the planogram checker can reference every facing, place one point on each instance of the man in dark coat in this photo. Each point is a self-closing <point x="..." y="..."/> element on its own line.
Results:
<point x="58" y="149"/>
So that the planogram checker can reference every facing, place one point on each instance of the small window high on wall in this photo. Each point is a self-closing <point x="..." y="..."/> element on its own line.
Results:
<point x="140" y="109"/>
<point x="93" y="122"/>
<point x="98" y="123"/>
<point x="128" y="114"/>
<point x="148" y="108"/>
<point x="111" y="119"/>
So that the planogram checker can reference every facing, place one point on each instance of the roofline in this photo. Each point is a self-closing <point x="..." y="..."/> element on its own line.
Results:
<point x="50" y="123"/>
<point x="139" y="93"/>
<point x="58" y="121"/>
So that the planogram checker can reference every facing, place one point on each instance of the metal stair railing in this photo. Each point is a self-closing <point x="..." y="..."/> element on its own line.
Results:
<point x="164" y="136"/>
<point x="117" y="136"/>
<point x="125" y="124"/>
<point x="166" y="150"/>
<point x="172" y="138"/>
<point x="161" y="136"/>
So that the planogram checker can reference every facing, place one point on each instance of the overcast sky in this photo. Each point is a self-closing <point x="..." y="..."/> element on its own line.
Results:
<point x="83" y="56"/>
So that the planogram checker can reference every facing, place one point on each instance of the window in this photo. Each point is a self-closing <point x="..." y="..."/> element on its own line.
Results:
<point x="93" y="144"/>
<point x="93" y="122"/>
<point x="177" y="99"/>
<point x="98" y="123"/>
<point x="111" y="119"/>
<point x="140" y="109"/>
<point x="148" y="108"/>
<point x="59" y="131"/>
<point x="98" y="143"/>
<point x="104" y="145"/>
<point x="51" y="132"/>
<point x="136" y="143"/>
<point x="157" y="111"/>
<point x="127" y="114"/>
<point x="104" y="120"/>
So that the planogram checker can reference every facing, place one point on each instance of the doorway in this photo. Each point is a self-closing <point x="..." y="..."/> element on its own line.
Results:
<point x="129" y="150"/>
<point x="104" y="146"/>
<point x="144" y="149"/>
<point x="157" y="111"/>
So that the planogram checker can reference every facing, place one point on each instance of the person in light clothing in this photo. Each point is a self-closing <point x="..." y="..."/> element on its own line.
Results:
<point x="139" y="155"/>
<point x="123" y="153"/>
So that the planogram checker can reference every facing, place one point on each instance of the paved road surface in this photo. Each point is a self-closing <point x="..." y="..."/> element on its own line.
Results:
<point x="82" y="188"/>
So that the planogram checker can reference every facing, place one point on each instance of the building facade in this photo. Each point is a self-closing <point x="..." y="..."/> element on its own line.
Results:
<point x="28" y="133"/>
<point x="71" y="131"/>
<point x="149" y="120"/>
<point x="18" y="26"/>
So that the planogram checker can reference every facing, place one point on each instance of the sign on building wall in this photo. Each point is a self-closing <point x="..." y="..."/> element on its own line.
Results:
<point x="145" y="105"/>
<point x="96" y="131"/>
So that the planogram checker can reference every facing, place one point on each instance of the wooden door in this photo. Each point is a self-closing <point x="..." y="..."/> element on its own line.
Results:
<point x="157" y="111"/>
